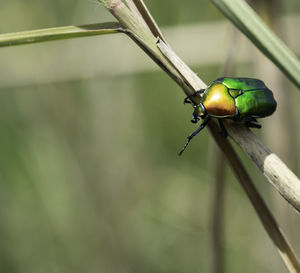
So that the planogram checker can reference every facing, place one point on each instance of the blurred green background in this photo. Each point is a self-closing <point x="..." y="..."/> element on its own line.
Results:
<point x="90" y="128"/>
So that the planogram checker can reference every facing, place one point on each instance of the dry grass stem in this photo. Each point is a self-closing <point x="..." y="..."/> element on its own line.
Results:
<point x="131" y="5"/>
<point x="278" y="174"/>
<point x="148" y="19"/>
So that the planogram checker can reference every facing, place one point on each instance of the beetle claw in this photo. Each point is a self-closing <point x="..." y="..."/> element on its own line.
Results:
<point x="252" y="124"/>
<point x="187" y="100"/>
<point x="195" y="119"/>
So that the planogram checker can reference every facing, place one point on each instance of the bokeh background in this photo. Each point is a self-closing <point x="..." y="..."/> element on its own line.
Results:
<point x="90" y="128"/>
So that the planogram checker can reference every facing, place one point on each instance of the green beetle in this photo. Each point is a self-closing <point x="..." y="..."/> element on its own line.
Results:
<point x="239" y="99"/>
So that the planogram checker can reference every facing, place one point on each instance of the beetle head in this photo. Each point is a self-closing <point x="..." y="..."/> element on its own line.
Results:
<point x="199" y="112"/>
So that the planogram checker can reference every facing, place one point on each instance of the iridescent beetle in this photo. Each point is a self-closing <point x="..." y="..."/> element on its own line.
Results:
<point x="239" y="99"/>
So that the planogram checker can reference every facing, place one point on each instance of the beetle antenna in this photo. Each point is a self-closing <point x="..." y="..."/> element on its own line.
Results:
<point x="189" y="138"/>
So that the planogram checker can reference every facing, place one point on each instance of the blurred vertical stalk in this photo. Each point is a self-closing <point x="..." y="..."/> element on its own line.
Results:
<point x="218" y="208"/>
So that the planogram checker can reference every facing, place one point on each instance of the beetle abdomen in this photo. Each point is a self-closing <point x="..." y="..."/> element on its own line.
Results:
<point x="255" y="103"/>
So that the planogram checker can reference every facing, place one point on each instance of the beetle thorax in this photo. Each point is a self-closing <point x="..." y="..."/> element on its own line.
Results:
<point x="217" y="102"/>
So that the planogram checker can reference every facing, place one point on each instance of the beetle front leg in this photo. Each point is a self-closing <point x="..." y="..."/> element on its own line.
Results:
<point x="188" y="98"/>
<point x="190" y="137"/>
<point x="200" y="91"/>
<point x="251" y="124"/>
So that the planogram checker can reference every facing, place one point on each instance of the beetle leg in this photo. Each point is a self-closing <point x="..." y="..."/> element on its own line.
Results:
<point x="200" y="91"/>
<point x="223" y="129"/>
<point x="190" y="137"/>
<point x="252" y="124"/>
<point x="187" y="99"/>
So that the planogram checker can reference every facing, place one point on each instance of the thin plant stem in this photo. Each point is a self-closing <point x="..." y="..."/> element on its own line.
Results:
<point x="58" y="33"/>
<point x="131" y="5"/>
<point x="149" y="19"/>
<point x="278" y="174"/>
